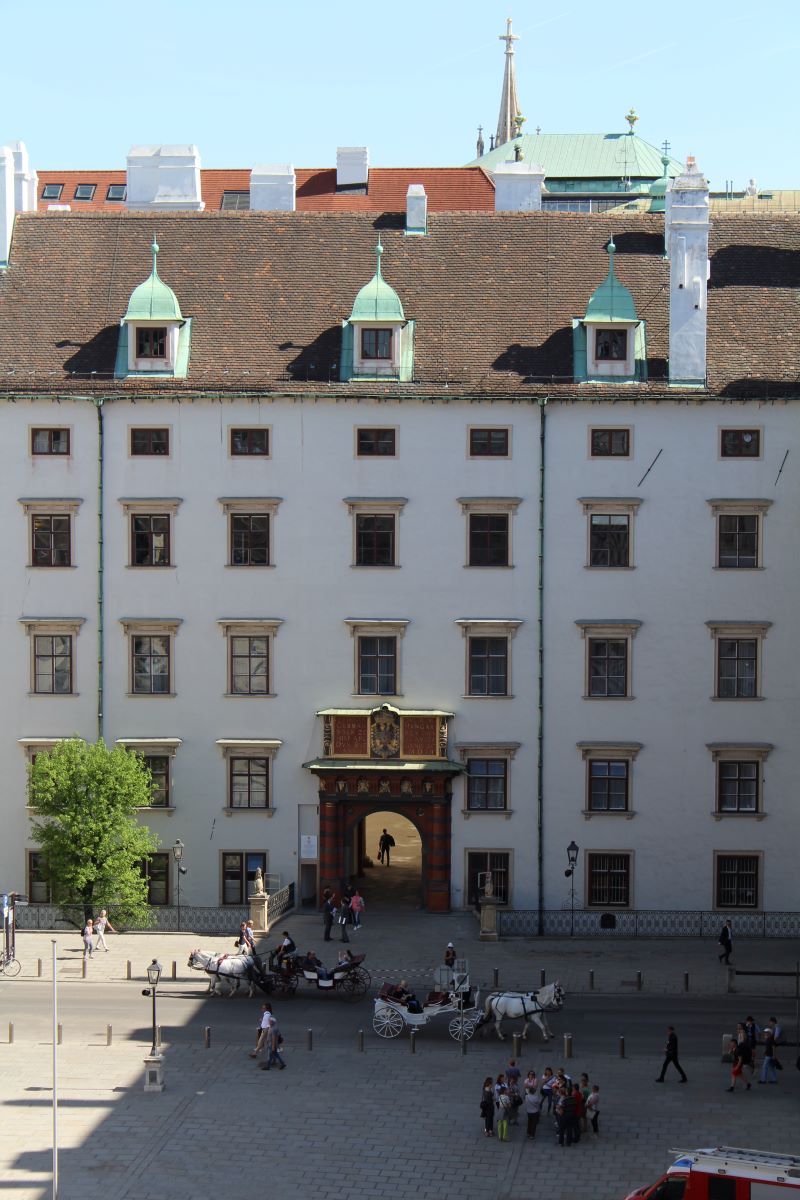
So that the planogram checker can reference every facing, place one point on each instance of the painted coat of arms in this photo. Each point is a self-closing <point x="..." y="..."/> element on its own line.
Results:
<point x="384" y="740"/>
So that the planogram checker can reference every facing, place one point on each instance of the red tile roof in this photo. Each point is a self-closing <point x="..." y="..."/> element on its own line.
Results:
<point x="449" y="189"/>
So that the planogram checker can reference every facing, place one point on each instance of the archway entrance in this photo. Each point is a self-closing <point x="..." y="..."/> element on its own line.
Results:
<point x="398" y="883"/>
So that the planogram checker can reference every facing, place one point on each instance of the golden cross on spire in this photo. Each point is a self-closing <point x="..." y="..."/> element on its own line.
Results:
<point x="508" y="37"/>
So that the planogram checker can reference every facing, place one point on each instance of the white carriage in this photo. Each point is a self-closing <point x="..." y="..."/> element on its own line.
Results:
<point x="452" y="995"/>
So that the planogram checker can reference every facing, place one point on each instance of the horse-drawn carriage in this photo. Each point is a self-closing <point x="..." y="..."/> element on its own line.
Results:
<point x="396" y="1007"/>
<point x="350" y="979"/>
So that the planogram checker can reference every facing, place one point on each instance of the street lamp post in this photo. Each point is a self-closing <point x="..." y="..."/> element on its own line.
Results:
<point x="572" y="859"/>
<point x="153" y="976"/>
<point x="177" y="854"/>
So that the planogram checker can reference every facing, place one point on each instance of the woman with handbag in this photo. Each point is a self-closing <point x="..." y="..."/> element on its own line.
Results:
<point x="487" y="1107"/>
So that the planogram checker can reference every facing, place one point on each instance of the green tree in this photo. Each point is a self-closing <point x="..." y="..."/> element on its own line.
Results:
<point x="84" y="799"/>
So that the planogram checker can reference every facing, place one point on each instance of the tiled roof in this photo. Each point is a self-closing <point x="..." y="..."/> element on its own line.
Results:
<point x="492" y="295"/>
<point x="453" y="189"/>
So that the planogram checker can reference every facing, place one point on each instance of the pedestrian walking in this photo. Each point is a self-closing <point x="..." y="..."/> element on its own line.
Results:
<point x="593" y="1108"/>
<point x="533" y="1108"/>
<point x="385" y="844"/>
<point x="88" y="945"/>
<point x="487" y="1106"/>
<point x="328" y="912"/>
<point x="344" y="917"/>
<point x="275" y="1042"/>
<point x="356" y="908"/>
<point x="752" y="1033"/>
<point x="101" y="924"/>
<point x="770" y="1066"/>
<point x="739" y="1051"/>
<point x="262" y="1033"/>
<point x="777" y="1031"/>
<point x="726" y="942"/>
<point x="671" y="1056"/>
<point x="548" y="1083"/>
<point x="504" y="1110"/>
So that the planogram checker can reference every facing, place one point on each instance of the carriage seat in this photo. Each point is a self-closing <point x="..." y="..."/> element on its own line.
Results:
<point x="437" y="998"/>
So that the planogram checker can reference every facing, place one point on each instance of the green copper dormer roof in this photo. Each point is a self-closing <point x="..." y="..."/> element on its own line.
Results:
<point x="611" y="301"/>
<point x="153" y="300"/>
<point x="658" y="189"/>
<point x="377" y="301"/>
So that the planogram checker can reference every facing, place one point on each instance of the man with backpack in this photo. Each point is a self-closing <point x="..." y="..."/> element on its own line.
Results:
<point x="385" y="844"/>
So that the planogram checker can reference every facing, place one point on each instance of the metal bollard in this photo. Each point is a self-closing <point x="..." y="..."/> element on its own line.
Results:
<point x="517" y="1045"/>
<point x="541" y="977"/>
<point x="60" y="1033"/>
<point x="622" y="1047"/>
<point x="496" y="977"/>
<point x="11" y="1033"/>
<point x="174" y="969"/>
<point x="109" y="1035"/>
<point x="686" y="981"/>
<point x="591" y="981"/>
<point x="207" y="1037"/>
<point x="84" y="968"/>
<point x="413" y="1041"/>
<point x="638" y="981"/>
<point x="567" y="1045"/>
<point x="39" y="968"/>
<point x="309" y="1039"/>
<point x="464" y="1041"/>
<point x="360" y="1041"/>
<point x="128" y="970"/>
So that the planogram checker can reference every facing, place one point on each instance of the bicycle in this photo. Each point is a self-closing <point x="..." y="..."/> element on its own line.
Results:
<point x="9" y="965"/>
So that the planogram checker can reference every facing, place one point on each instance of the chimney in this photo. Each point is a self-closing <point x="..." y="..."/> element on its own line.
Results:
<point x="686" y="226"/>
<point x="518" y="187"/>
<point x="352" y="168"/>
<point x="25" y="180"/>
<point x="272" y="188"/>
<point x="6" y="202"/>
<point x="164" y="178"/>
<point x="416" y="210"/>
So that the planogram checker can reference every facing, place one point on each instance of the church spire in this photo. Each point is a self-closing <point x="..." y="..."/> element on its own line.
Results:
<point x="509" y="105"/>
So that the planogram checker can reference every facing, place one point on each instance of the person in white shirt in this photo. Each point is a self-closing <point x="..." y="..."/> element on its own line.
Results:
<point x="102" y="924"/>
<point x="267" y="1021"/>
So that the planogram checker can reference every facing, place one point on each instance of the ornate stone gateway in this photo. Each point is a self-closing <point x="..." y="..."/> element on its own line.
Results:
<point x="385" y="760"/>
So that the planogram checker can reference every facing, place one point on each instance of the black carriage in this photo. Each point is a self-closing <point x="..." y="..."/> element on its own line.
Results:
<point x="350" y="980"/>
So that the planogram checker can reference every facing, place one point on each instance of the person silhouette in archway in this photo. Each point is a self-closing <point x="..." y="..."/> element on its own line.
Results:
<point x="385" y="844"/>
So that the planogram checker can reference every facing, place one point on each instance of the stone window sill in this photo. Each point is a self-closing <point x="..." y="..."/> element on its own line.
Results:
<point x="752" y="816"/>
<point x="627" y="813"/>
<point x="249" y="695"/>
<point x="156" y="808"/>
<point x="486" y="812"/>
<point x="265" y="812"/>
<point x="54" y="695"/>
<point x="151" y="695"/>
<point x="614" y="699"/>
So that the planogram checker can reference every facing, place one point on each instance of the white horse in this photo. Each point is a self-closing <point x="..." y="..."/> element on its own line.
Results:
<point x="234" y="969"/>
<point x="531" y="1006"/>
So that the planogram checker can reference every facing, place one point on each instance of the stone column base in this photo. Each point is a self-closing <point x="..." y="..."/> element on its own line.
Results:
<point x="154" y="1073"/>
<point x="488" y="931"/>
<point x="258" y="913"/>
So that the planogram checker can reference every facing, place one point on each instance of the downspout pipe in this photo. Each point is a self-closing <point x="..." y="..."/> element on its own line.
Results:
<point x="98" y="405"/>
<point x="540" y="678"/>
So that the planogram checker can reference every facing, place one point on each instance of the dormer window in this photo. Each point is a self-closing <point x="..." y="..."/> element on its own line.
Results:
<point x="377" y="339"/>
<point x="609" y="341"/>
<point x="611" y="344"/>
<point x="154" y="335"/>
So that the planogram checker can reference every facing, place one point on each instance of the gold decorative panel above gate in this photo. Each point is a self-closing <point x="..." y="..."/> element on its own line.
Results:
<point x="384" y="734"/>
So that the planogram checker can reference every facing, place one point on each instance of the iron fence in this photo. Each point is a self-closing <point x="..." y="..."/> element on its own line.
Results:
<point x="646" y="923"/>
<point x="193" y="919"/>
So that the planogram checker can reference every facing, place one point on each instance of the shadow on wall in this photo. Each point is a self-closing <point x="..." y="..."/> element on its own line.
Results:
<point x="97" y="355"/>
<point x="552" y="360"/>
<point x="762" y="389"/>
<point x="640" y="243"/>
<point x="319" y="359"/>
<point x="755" y="266"/>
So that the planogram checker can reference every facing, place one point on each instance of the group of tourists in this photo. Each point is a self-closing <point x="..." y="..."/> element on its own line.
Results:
<point x="348" y="910"/>
<point x="743" y="1049"/>
<point x="269" y="1038"/>
<point x="96" y="927"/>
<point x="575" y="1107"/>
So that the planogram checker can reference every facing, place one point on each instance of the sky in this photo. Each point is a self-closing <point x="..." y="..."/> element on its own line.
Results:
<point x="263" y="82"/>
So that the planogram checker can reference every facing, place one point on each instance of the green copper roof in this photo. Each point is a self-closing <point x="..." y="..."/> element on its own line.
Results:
<point x="377" y="301"/>
<point x="584" y="156"/>
<point x="658" y="189"/>
<point x="611" y="301"/>
<point x="153" y="300"/>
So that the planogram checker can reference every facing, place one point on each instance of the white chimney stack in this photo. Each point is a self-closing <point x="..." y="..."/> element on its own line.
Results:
<point x="686" y="227"/>
<point x="416" y="209"/>
<point x="6" y="202"/>
<point x="163" y="178"/>
<point x="272" y="188"/>
<point x="25" y="180"/>
<point x="352" y="167"/>
<point x="518" y="187"/>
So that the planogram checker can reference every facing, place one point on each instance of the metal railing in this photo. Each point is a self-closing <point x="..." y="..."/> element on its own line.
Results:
<point x="221" y="920"/>
<point x="647" y="923"/>
<point x="278" y="903"/>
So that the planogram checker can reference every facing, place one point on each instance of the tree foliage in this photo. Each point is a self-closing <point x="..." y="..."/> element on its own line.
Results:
<point x="84" y="799"/>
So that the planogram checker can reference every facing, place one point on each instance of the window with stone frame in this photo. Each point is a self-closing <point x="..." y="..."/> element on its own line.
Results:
<point x="739" y="532"/>
<point x="52" y="666"/>
<point x="249" y="781"/>
<point x="150" y="539"/>
<point x="376" y="442"/>
<point x="608" y="784"/>
<point x="239" y="873"/>
<point x="608" y="667"/>
<point x="249" y="536"/>
<point x="50" y="441"/>
<point x="488" y="666"/>
<point x="613" y="442"/>
<point x="149" y="443"/>
<point x="738" y="785"/>
<point x="486" y="442"/>
<point x="377" y="665"/>
<point x="486" y="783"/>
<point x="608" y="879"/>
<point x="740" y="443"/>
<point x="156" y="872"/>
<point x="488" y="539"/>
<point x="376" y="343"/>
<point x="250" y="443"/>
<point x="249" y="665"/>
<point x="479" y="862"/>
<point x="737" y="883"/>
<point x="51" y="539"/>
<point x="151" y="673"/>
<point x="151" y="341"/>
<point x="159" y="767"/>
<point x="737" y="668"/>
<point x="39" y="891"/>
<point x="611" y="345"/>
<point x="609" y="540"/>
<point x="375" y="539"/>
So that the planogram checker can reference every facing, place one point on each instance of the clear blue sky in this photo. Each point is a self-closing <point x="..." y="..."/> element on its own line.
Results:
<point x="276" y="82"/>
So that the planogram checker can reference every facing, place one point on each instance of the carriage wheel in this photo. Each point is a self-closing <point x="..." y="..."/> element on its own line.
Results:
<point x="12" y="967"/>
<point x="455" y="1028"/>
<point x="363" y="979"/>
<point x="387" y="1023"/>
<point x="284" y="985"/>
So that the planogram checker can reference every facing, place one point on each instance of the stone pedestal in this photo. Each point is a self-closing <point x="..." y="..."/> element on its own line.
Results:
<point x="154" y="1073"/>
<point x="258" y="913"/>
<point x="488" y="905"/>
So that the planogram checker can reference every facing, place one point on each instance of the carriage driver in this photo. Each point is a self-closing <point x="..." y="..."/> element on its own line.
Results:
<point x="285" y="949"/>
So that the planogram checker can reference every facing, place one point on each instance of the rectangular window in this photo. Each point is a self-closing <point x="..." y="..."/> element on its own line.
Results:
<point x="609" y="540"/>
<point x="52" y="191"/>
<point x="611" y="345"/>
<point x="50" y="540"/>
<point x="737" y="668"/>
<point x="376" y="343"/>
<point x="38" y="887"/>
<point x="150" y="540"/>
<point x="737" y="540"/>
<point x="377" y="666"/>
<point x="151" y="341"/>
<point x="481" y="861"/>
<point x="740" y="443"/>
<point x="608" y="785"/>
<point x="158" y="766"/>
<point x="151" y="664"/>
<point x="52" y="670"/>
<point x="247" y="443"/>
<point x="249" y="666"/>
<point x="148" y="442"/>
<point x="488" y="443"/>
<point x="249" y="782"/>
<point x="608" y="667"/>
<point x="239" y="872"/>
<point x="738" y="786"/>
<point x="488" y="666"/>
<point x="235" y="201"/>
<point x="488" y="539"/>
<point x="375" y="539"/>
<point x="156" y="872"/>
<point x="375" y="443"/>
<point x="49" y="441"/>
<point x="85" y="191"/>
<point x="737" y="881"/>
<point x="610" y="443"/>
<point x="486" y="783"/>
<point x="250" y="539"/>
<point x="609" y="880"/>
<point x="116" y="192"/>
